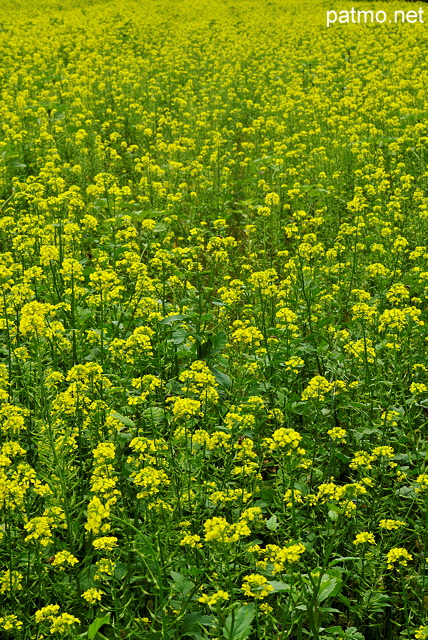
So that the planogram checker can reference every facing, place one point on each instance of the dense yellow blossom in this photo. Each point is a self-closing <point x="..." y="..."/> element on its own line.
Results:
<point x="398" y="555"/>
<point x="364" y="537"/>
<point x="213" y="286"/>
<point x="256" y="586"/>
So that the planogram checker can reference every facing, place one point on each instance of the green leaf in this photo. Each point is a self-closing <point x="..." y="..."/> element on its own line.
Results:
<point x="204" y="349"/>
<point x="123" y="419"/>
<point x="154" y="413"/>
<point x="219" y="340"/>
<point x="96" y="625"/>
<point x="120" y="570"/>
<point x="278" y="586"/>
<point x="181" y="584"/>
<point x="329" y="587"/>
<point x="192" y="622"/>
<point x="15" y="164"/>
<point x="352" y="632"/>
<point x="238" y="623"/>
<point x="139" y="216"/>
<point x="406" y="492"/>
<point x="344" y="600"/>
<point x="179" y="336"/>
<point x="338" y="560"/>
<point x="171" y="319"/>
<point x="272" y="524"/>
<point x="221" y="377"/>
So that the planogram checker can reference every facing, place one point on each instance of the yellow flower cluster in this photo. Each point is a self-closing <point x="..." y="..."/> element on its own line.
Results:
<point x="64" y="558"/>
<point x="422" y="632"/>
<point x="316" y="389"/>
<point x="10" y="623"/>
<point x="284" y="439"/>
<point x="218" y="529"/>
<point x="216" y="598"/>
<point x="391" y="525"/>
<point x="103" y="485"/>
<point x="337" y="434"/>
<point x="92" y="595"/>
<point x="277" y="556"/>
<point x="363" y="537"/>
<point x="364" y="459"/>
<point x="41" y="528"/>
<point x="256" y="586"/>
<point x="10" y="581"/>
<point x="361" y="349"/>
<point x="59" y="623"/>
<point x="200" y="381"/>
<point x="398" y="555"/>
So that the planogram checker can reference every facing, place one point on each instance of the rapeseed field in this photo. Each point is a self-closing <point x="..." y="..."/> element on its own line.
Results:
<point x="214" y="285"/>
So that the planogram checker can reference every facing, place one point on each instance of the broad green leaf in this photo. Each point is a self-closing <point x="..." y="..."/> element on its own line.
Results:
<point x="219" y="340"/>
<point x="179" y="336"/>
<point x="329" y="587"/>
<point x="123" y="419"/>
<point x="238" y="623"/>
<point x="221" y="377"/>
<point x="192" y="622"/>
<point x="96" y="625"/>
<point x="272" y="524"/>
<point x="278" y="586"/>
<point x="181" y="584"/>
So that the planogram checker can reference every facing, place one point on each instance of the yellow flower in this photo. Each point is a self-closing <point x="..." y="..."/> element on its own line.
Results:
<point x="417" y="388"/>
<point x="293" y="364"/>
<point x="391" y="524"/>
<point x="218" y="529"/>
<point x="361" y="350"/>
<point x="398" y="555"/>
<point x="107" y="543"/>
<point x="265" y="608"/>
<point x="364" y="537"/>
<point x="385" y="451"/>
<point x="256" y="586"/>
<point x="104" y="566"/>
<point x="278" y="556"/>
<point x="62" y="623"/>
<point x="93" y="595"/>
<point x="64" y="558"/>
<point x="288" y="497"/>
<point x="10" y="581"/>
<point x="362" y="459"/>
<point x="191" y="541"/>
<point x="10" y="622"/>
<point x="97" y="512"/>
<point x="186" y="408"/>
<point x="422" y="481"/>
<point x="338" y="434"/>
<point x="45" y="613"/>
<point x="422" y="633"/>
<point x="284" y="438"/>
<point x="247" y="335"/>
<point x="216" y="598"/>
<point x="316" y="389"/>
